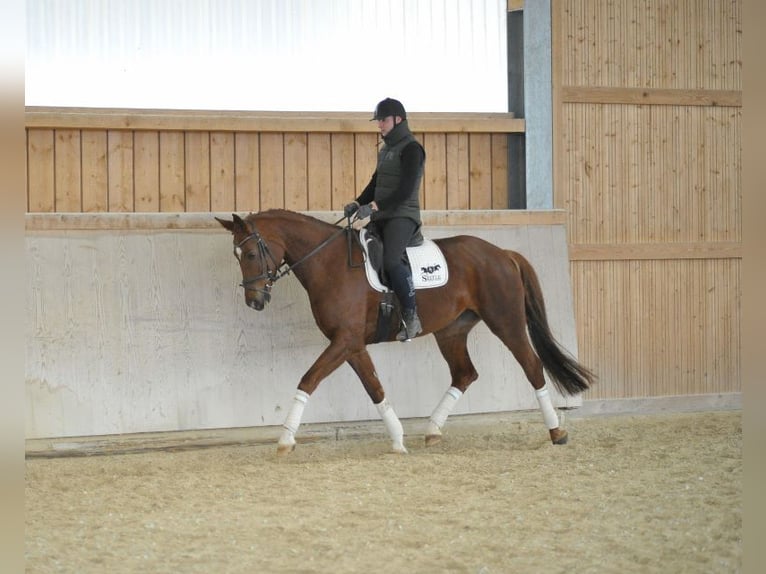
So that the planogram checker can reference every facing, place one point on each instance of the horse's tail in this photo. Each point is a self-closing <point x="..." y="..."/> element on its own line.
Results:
<point x="568" y="375"/>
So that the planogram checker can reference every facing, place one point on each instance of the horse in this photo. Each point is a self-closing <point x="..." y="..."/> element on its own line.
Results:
<point x="486" y="283"/>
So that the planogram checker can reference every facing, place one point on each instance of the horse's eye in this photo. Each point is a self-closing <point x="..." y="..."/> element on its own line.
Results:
<point x="250" y="255"/>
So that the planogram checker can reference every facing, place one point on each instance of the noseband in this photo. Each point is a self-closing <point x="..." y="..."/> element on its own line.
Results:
<point x="265" y="255"/>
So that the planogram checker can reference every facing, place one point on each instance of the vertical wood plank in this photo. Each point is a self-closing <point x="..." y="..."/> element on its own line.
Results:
<point x="172" y="172"/>
<point x="147" y="165"/>
<point x="422" y="189"/>
<point x="68" y="174"/>
<point x="248" y="175"/>
<point x="95" y="178"/>
<point x="296" y="171"/>
<point x="319" y="172"/>
<point x="222" y="171"/>
<point x="366" y="148"/>
<point x="272" y="170"/>
<point x="499" y="173"/>
<point x="480" y="157"/>
<point x="343" y="176"/>
<point x="458" y="187"/>
<point x="41" y="172"/>
<point x="197" y="164"/>
<point x="120" y="168"/>
<point x="435" y="173"/>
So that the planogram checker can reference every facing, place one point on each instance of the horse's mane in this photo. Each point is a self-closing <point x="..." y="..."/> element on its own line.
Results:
<point x="290" y="216"/>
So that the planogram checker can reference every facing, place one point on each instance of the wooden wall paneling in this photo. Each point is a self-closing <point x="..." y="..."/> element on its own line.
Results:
<point x="651" y="173"/>
<point x="652" y="44"/>
<point x="421" y="137"/>
<point x="272" y="170"/>
<point x="319" y="172"/>
<point x="247" y="178"/>
<point x="68" y="174"/>
<point x="95" y="173"/>
<point x="172" y="172"/>
<point x="365" y="159"/>
<point x="343" y="170"/>
<point x="435" y="175"/>
<point x="198" y="172"/>
<point x="296" y="171"/>
<point x="120" y="167"/>
<point x="724" y="307"/>
<point x="184" y="172"/>
<point x="480" y="171"/>
<point x="222" y="171"/>
<point x="499" y="174"/>
<point x="658" y="328"/>
<point x="41" y="171"/>
<point x="458" y="177"/>
<point x="722" y="160"/>
<point x="146" y="157"/>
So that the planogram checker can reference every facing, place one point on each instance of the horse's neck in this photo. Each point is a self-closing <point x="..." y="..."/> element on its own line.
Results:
<point x="300" y="235"/>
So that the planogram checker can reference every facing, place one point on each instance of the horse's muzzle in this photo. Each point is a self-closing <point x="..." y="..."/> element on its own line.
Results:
<point x="259" y="301"/>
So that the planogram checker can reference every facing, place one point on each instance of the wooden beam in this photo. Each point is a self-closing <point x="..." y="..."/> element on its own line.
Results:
<point x="624" y="252"/>
<point x="515" y="5"/>
<point x="651" y="96"/>
<point x="36" y="222"/>
<point x="257" y="121"/>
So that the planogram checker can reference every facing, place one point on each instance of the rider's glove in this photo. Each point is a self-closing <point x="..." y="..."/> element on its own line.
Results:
<point x="350" y="209"/>
<point x="364" y="211"/>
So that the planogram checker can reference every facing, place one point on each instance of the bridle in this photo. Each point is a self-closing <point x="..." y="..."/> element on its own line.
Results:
<point x="277" y="270"/>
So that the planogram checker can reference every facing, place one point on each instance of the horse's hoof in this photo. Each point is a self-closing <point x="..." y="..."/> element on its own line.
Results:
<point x="399" y="449"/>
<point x="433" y="439"/>
<point x="559" y="436"/>
<point x="285" y="449"/>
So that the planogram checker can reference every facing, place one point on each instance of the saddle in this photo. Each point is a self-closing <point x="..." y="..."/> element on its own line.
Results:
<point x="427" y="264"/>
<point x="426" y="260"/>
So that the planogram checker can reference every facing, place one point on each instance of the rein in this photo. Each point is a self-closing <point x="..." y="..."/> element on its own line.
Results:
<point x="265" y="255"/>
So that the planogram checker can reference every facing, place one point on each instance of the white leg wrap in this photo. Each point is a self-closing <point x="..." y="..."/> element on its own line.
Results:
<point x="293" y="420"/>
<point x="549" y="413"/>
<point x="443" y="410"/>
<point x="393" y="425"/>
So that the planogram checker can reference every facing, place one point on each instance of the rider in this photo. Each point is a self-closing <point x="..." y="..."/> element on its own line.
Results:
<point x="391" y="201"/>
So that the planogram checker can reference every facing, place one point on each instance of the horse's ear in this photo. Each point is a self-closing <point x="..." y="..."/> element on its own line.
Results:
<point x="226" y="223"/>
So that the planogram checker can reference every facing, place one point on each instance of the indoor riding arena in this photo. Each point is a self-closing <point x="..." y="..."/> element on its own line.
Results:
<point x="155" y="397"/>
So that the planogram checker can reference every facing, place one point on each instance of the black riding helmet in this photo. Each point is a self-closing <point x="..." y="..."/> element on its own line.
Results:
<point x="389" y="107"/>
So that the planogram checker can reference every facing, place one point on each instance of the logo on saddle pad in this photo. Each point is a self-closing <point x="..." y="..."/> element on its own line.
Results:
<point x="429" y="268"/>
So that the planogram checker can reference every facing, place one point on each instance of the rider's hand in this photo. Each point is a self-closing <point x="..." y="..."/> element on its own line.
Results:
<point x="364" y="211"/>
<point x="350" y="209"/>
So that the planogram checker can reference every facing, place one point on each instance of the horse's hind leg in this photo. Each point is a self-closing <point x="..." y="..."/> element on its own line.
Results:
<point x="452" y="343"/>
<point x="514" y="335"/>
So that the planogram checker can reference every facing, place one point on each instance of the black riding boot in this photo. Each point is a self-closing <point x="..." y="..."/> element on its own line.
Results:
<point x="412" y="327"/>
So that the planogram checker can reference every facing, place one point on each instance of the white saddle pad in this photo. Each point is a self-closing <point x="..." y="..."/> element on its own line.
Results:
<point x="429" y="267"/>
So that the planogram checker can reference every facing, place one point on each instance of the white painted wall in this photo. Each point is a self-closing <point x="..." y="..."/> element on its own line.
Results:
<point x="140" y="331"/>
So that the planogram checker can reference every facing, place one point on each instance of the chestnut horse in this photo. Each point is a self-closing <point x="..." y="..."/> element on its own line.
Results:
<point x="486" y="283"/>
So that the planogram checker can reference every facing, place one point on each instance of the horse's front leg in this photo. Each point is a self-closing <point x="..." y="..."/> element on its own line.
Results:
<point x="365" y="370"/>
<point x="330" y="359"/>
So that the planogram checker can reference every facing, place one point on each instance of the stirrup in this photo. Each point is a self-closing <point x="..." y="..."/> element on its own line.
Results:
<point x="411" y="329"/>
